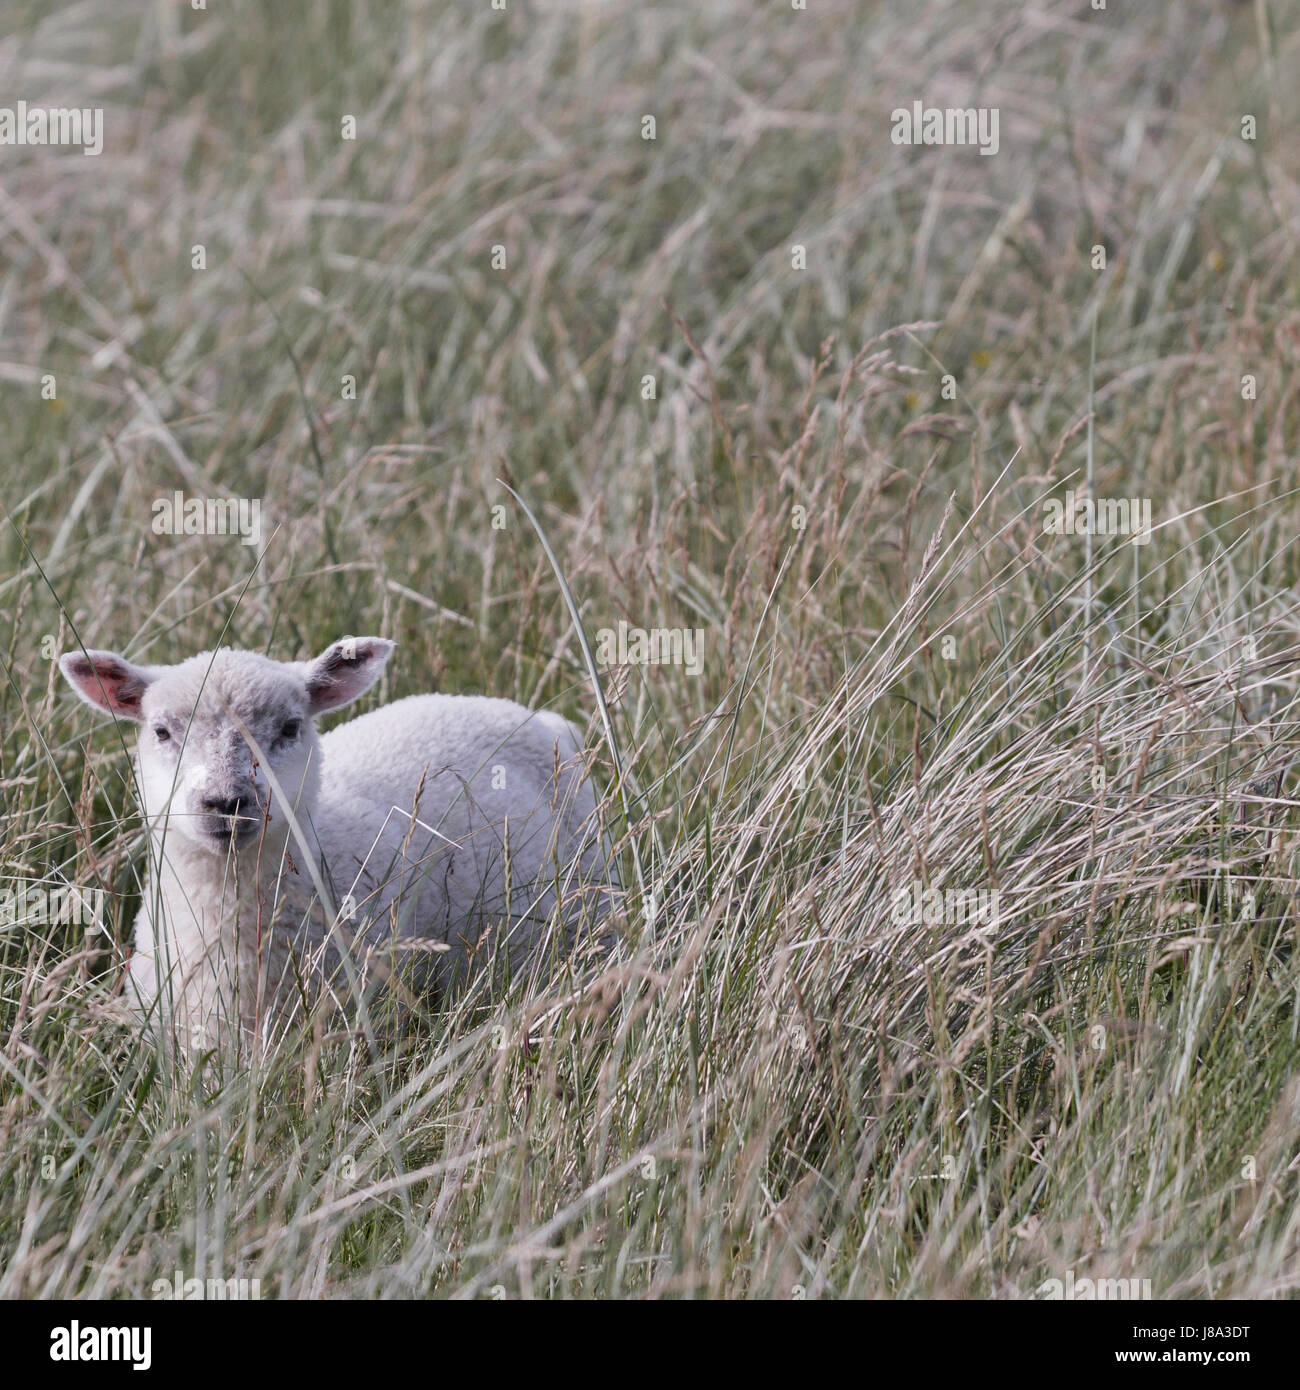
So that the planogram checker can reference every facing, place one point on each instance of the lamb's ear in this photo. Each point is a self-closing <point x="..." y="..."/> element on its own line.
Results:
<point x="345" y="669"/>
<point x="107" y="681"/>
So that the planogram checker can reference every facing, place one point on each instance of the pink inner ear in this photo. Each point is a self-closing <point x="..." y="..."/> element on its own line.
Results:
<point x="108" y="682"/>
<point x="345" y="671"/>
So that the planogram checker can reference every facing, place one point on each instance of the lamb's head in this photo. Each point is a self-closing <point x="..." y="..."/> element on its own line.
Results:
<point x="227" y="734"/>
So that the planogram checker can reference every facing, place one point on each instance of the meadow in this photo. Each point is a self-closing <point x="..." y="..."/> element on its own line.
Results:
<point x="956" y="941"/>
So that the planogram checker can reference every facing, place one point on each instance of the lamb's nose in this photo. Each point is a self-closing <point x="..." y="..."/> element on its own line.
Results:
<point x="222" y="805"/>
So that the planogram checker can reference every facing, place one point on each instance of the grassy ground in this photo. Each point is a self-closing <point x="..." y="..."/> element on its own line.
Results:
<point x="775" y="1087"/>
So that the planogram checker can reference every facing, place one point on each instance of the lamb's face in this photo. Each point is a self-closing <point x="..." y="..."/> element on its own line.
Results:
<point x="228" y="745"/>
<point x="225" y="748"/>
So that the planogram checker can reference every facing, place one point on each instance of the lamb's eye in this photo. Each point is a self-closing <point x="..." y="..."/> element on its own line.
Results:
<point x="290" y="729"/>
<point x="161" y="734"/>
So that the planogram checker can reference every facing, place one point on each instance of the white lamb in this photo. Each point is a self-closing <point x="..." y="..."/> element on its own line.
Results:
<point x="415" y="841"/>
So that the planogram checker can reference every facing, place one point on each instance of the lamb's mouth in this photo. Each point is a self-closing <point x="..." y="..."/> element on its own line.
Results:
<point x="224" y="831"/>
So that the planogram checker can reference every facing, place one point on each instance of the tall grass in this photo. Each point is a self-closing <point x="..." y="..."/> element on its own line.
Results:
<point x="774" y="1086"/>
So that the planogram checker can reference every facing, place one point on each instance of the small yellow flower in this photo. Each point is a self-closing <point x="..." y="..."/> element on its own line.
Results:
<point x="981" y="358"/>
<point x="912" y="400"/>
<point x="1216" y="260"/>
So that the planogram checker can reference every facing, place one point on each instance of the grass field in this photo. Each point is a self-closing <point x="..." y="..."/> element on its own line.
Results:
<point x="772" y="377"/>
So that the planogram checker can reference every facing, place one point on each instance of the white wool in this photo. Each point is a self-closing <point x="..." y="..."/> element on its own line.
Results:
<point x="439" y="827"/>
